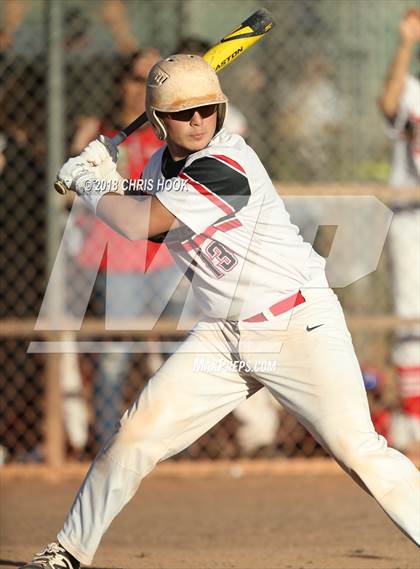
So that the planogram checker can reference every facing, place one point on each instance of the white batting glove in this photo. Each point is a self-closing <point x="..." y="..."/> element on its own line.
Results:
<point x="91" y="182"/>
<point x="100" y="151"/>
<point x="73" y="171"/>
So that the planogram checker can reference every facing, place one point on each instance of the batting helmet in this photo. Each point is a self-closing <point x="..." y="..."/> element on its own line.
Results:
<point x="182" y="82"/>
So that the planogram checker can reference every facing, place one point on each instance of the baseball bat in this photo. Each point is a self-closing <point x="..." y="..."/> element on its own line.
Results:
<point x="229" y="48"/>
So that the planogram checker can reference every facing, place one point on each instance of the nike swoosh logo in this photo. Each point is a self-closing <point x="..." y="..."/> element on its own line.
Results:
<point x="309" y="329"/>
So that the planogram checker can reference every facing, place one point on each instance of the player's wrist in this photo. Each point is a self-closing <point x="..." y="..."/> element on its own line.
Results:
<point x="91" y="187"/>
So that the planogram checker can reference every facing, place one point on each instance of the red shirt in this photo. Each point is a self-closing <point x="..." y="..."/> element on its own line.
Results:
<point x="122" y="255"/>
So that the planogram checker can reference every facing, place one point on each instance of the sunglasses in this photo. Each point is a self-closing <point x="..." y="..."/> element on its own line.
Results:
<point x="187" y="115"/>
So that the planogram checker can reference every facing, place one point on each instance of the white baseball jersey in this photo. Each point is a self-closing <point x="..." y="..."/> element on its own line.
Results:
<point x="406" y="132"/>
<point x="236" y="243"/>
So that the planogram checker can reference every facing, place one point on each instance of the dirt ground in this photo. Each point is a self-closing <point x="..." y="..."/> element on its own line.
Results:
<point x="252" y="522"/>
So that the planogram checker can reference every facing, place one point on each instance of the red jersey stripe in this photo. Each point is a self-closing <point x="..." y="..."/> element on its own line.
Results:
<point x="224" y="226"/>
<point x="227" y="225"/>
<point x="229" y="161"/>
<point x="195" y="242"/>
<point x="208" y="194"/>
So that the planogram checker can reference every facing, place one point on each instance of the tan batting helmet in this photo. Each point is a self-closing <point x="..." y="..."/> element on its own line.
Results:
<point x="182" y="82"/>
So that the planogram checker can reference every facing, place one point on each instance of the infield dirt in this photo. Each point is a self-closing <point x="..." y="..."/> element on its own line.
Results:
<point x="252" y="522"/>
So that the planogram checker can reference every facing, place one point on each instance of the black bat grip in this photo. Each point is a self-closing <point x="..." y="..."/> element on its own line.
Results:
<point x="137" y="123"/>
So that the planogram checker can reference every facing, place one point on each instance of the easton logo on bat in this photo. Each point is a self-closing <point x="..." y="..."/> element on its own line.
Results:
<point x="229" y="58"/>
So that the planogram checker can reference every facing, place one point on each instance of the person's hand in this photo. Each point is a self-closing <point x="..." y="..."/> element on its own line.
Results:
<point x="94" y="170"/>
<point x="115" y="16"/>
<point x="100" y="151"/>
<point x="73" y="172"/>
<point x="410" y="27"/>
<point x="113" y="12"/>
<point x="90" y="182"/>
<point x="14" y="12"/>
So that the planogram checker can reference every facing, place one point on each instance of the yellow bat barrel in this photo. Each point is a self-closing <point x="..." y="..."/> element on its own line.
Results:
<point x="240" y="39"/>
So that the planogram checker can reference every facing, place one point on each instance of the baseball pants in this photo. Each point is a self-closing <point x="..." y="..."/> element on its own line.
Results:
<point x="313" y="373"/>
<point x="404" y="247"/>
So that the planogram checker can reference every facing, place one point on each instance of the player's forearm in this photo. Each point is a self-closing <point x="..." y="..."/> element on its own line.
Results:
<point x="124" y="40"/>
<point x="395" y="80"/>
<point x="127" y="215"/>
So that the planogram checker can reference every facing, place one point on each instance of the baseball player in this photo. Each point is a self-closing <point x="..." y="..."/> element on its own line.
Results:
<point x="265" y="298"/>
<point x="400" y="103"/>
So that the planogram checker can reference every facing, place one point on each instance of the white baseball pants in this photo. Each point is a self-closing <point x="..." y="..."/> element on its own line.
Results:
<point x="404" y="247"/>
<point x="316" y="377"/>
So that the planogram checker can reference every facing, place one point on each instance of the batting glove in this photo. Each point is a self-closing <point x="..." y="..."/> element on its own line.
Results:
<point x="73" y="171"/>
<point x="91" y="182"/>
<point x="100" y="151"/>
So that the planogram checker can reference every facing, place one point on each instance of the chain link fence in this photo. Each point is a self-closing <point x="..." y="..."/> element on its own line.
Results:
<point x="305" y="98"/>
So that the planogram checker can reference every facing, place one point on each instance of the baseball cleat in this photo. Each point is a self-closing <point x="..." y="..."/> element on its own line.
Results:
<point x="54" y="556"/>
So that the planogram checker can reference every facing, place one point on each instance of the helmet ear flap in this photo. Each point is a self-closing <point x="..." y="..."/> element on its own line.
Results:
<point x="222" y="110"/>
<point x="157" y="125"/>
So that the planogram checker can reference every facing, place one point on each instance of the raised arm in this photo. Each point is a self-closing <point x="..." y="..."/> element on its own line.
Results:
<point x="397" y="73"/>
<point x="114" y="14"/>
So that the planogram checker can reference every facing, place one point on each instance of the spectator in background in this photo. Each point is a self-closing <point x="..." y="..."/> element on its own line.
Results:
<point x="133" y="276"/>
<point x="91" y="42"/>
<point x="91" y="65"/>
<point x="89" y="62"/>
<point x="400" y="103"/>
<point x="111" y="13"/>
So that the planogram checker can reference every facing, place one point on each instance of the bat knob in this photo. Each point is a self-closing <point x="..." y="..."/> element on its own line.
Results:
<point x="60" y="187"/>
